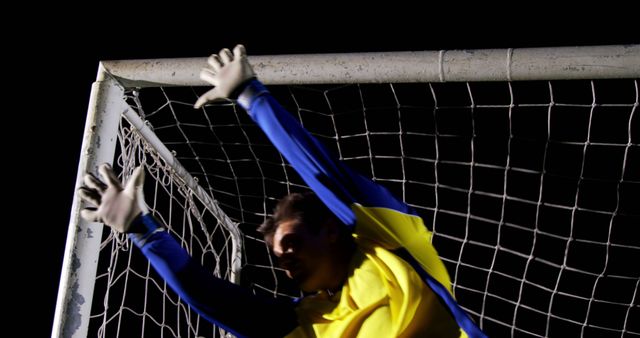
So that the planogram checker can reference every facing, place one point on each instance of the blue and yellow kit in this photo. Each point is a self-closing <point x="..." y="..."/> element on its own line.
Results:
<point x="397" y="286"/>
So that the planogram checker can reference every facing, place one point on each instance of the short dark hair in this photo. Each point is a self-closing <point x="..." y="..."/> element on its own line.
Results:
<point x="303" y="207"/>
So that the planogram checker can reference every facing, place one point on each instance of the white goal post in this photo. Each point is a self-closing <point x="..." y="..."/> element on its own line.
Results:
<point x="114" y="95"/>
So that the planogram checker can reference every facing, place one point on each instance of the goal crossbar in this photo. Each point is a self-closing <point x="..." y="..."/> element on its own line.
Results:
<point x="517" y="64"/>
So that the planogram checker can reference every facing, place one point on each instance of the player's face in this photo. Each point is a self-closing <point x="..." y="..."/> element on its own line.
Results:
<point x="304" y="254"/>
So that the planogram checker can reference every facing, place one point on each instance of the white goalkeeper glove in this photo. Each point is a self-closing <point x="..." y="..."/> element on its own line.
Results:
<point x="117" y="207"/>
<point x="226" y="72"/>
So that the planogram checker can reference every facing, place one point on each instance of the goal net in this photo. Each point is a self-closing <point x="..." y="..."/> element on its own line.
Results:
<point x="524" y="163"/>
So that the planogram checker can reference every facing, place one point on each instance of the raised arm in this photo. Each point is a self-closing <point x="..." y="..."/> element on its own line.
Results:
<point x="223" y="303"/>
<point x="339" y="187"/>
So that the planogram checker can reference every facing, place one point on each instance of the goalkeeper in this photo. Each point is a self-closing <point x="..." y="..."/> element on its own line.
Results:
<point x="363" y="257"/>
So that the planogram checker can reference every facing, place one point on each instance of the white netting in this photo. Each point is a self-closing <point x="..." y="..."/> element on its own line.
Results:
<point x="531" y="188"/>
<point x="135" y="300"/>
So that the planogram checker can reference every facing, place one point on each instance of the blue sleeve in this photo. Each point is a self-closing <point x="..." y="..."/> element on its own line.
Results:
<point x="221" y="302"/>
<point x="338" y="186"/>
<point x="354" y="198"/>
